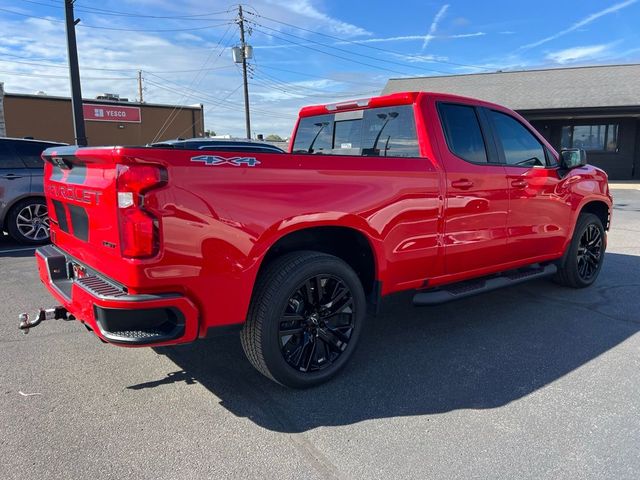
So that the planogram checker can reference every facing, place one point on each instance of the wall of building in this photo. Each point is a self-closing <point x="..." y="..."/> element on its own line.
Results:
<point x="3" y="132"/>
<point x="50" y="118"/>
<point x="620" y="164"/>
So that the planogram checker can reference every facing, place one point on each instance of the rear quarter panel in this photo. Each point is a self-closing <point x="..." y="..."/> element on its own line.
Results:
<point x="218" y="222"/>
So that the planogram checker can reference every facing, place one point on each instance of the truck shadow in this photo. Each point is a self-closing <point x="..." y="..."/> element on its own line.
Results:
<point x="9" y="248"/>
<point x="479" y="353"/>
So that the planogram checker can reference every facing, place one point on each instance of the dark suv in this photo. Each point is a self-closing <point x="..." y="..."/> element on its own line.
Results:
<point x="23" y="210"/>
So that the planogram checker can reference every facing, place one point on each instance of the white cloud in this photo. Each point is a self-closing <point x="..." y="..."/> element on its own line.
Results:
<point x="306" y="9"/>
<point x="581" y="23"/>
<point x="434" y="25"/>
<point x="575" y="54"/>
<point x="418" y="37"/>
<point x="273" y="111"/>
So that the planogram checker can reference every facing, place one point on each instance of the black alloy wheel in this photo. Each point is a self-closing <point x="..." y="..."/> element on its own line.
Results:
<point x="589" y="253"/>
<point x="317" y="324"/>
<point x="582" y="262"/>
<point x="306" y="316"/>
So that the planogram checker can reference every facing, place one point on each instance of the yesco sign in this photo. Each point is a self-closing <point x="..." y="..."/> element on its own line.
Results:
<point x="111" y="113"/>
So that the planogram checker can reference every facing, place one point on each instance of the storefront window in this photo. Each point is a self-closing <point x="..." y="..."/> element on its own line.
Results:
<point x="603" y="138"/>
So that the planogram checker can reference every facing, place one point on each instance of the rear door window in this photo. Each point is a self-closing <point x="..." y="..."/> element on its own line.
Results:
<point x="8" y="158"/>
<point x="30" y="153"/>
<point x="462" y="131"/>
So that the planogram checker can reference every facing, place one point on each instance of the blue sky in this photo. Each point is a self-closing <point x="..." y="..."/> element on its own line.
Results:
<point x="306" y="51"/>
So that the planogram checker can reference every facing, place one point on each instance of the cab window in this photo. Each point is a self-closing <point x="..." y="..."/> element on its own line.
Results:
<point x="520" y="147"/>
<point x="314" y="135"/>
<point x="375" y="132"/>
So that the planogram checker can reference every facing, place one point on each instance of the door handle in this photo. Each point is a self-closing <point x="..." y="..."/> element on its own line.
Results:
<point x="519" y="183"/>
<point x="462" y="184"/>
<point x="11" y="176"/>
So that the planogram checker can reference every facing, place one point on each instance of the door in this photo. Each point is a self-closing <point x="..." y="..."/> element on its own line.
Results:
<point x="15" y="178"/>
<point x="477" y="197"/>
<point x="539" y="213"/>
<point x="30" y="154"/>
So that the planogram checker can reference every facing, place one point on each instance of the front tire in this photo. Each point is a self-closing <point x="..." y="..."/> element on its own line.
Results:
<point x="305" y="319"/>
<point x="28" y="222"/>
<point x="583" y="261"/>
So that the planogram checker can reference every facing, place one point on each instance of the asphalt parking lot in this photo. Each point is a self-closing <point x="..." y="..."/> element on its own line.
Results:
<point x="535" y="381"/>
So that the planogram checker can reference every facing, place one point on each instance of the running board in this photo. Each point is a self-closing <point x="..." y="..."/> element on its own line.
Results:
<point x="468" y="288"/>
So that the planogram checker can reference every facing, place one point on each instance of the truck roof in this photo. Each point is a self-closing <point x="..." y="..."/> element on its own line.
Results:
<point x="400" y="98"/>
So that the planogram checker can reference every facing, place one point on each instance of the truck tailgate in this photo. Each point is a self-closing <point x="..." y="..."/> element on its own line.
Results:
<point x="81" y="190"/>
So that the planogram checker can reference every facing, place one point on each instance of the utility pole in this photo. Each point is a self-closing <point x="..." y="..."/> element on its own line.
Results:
<point x="140" y="95"/>
<point x="244" y="50"/>
<point x="74" y="74"/>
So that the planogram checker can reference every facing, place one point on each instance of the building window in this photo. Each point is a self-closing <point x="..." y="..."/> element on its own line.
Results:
<point x="599" y="138"/>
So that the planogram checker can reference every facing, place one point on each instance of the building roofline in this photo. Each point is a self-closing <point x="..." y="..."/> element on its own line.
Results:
<point x="35" y="140"/>
<point x="500" y="72"/>
<point x="97" y="101"/>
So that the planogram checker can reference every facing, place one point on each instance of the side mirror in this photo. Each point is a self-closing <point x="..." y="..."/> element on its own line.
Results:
<point x="572" y="158"/>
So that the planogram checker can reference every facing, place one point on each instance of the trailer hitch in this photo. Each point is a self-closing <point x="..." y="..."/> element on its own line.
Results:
<point x="55" y="313"/>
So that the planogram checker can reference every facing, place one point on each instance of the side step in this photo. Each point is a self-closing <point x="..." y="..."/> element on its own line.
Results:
<point x="468" y="288"/>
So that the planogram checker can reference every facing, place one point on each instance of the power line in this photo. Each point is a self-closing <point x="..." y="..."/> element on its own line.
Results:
<point x="329" y="95"/>
<point x="202" y="95"/>
<point x="330" y="54"/>
<point x="41" y="75"/>
<point x="355" y="42"/>
<point x="205" y="95"/>
<point x="103" y="69"/>
<point x="197" y="78"/>
<point x="209" y="109"/>
<point x="301" y="91"/>
<point x="221" y="103"/>
<point x="391" y="62"/>
<point x="290" y="85"/>
<point x="309" y="75"/>
<point x="136" y="15"/>
<point x="119" y="29"/>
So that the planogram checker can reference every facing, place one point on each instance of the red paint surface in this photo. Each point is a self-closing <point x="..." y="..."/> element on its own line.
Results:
<point x="217" y="223"/>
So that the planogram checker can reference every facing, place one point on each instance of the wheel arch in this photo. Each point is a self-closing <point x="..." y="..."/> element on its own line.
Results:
<point x="599" y="208"/>
<point x="347" y="243"/>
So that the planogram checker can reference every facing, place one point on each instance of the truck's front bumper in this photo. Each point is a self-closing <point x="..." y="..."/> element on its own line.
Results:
<point x="110" y="311"/>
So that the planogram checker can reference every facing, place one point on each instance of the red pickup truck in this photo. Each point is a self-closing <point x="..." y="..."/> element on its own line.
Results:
<point x="440" y="194"/>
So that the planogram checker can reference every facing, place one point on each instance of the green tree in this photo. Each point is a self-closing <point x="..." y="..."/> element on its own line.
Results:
<point x="274" y="138"/>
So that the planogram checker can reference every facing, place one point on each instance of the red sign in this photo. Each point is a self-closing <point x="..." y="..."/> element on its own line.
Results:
<point x="111" y="113"/>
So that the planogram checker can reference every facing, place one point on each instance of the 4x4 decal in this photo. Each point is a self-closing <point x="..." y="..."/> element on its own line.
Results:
<point x="235" y="161"/>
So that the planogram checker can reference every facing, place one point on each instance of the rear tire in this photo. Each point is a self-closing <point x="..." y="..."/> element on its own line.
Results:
<point x="583" y="260"/>
<point x="28" y="222"/>
<point x="305" y="319"/>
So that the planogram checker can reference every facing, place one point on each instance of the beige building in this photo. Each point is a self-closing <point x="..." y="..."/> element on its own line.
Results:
<point x="107" y="122"/>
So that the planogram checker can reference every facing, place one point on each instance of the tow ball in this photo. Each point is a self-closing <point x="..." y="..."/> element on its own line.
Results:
<point x="55" y="313"/>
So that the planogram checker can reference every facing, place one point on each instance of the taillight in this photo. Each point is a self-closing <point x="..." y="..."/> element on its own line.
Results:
<point x="139" y="232"/>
